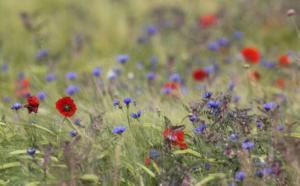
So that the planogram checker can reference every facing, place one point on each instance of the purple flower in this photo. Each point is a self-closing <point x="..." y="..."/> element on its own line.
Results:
<point x="240" y="175"/>
<point x="4" y="67"/>
<point x="41" y="95"/>
<point x="258" y="124"/>
<point x="73" y="133"/>
<point x="267" y="64"/>
<point x="213" y="46"/>
<point x="78" y="38"/>
<point x="280" y="127"/>
<point x="206" y="95"/>
<point x="223" y="41"/>
<point x="72" y="89"/>
<point x="31" y="151"/>
<point x="153" y="154"/>
<point x="153" y="59"/>
<point x="268" y="170"/>
<point x="290" y="12"/>
<point x="166" y="90"/>
<point x="72" y="75"/>
<point x="248" y="145"/>
<point x="151" y="30"/>
<point x="231" y="85"/>
<point x="122" y="58"/>
<point x="151" y="76"/>
<point x="42" y="54"/>
<point x="116" y="103"/>
<point x="228" y="59"/>
<point x="50" y="77"/>
<point x="7" y="99"/>
<point x="207" y="166"/>
<point x="77" y="121"/>
<point x="127" y="100"/>
<point x="202" y="127"/>
<point x="232" y="137"/>
<point x="136" y="115"/>
<point x="21" y="75"/>
<point x="209" y="69"/>
<point x="259" y="174"/>
<point x="174" y="78"/>
<point x="238" y="35"/>
<point x="268" y="106"/>
<point x="97" y="71"/>
<point x="119" y="129"/>
<point x="192" y="118"/>
<point x="16" y="106"/>
<point x="212" y="104"/>
<point x="237" y="98"/>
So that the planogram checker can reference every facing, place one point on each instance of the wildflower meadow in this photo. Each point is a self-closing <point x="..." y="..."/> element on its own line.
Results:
<point x="149" y="92"/>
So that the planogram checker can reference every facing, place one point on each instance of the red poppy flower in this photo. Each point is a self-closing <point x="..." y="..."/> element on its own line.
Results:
<point x="183" y="146"/>
<point x="280" y="83"/>
<point x="66" y="106"/>
<point x="254" y="76"/>
<point x="172" y="85"/>
<point x="177" y="137"/>
<point x="251" y="54"/>
<point x="33" y="104"/>
<point x="147" y="160"/>
<point x="199" y="75"/>
<point x="284" y="61"/>
<point x="207" y="20"/>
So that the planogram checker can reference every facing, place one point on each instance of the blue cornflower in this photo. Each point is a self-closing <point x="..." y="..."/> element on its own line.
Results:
<point x="42" y="54"/>
<point x="77" y="121"/>
<point x="119" y="129"/>
<point x="41" y="95"/>
<point x="116" y="103"/>
<point x="139" y="65"/>
<point x="195" y="130"/>
<point x="151" y="76"/>
<point x="202" y="127"/>
<point x="207" y="95"/>
<point x="209" y="69"/>
<point x="153" y="154"/>
<point x="136" y="115"/>
<point x="207" y="166"/>
<point x="166" y="90"/>
<point x="73" y="133"/>
<point x="236" y="98"/>
<point x="234" y="184"/>
<point x="111" y="75"/>
<point x="151" y="30"/>
<point x="97" y="71"/>
<point x="153" y="59"/>
<point x="78" y="38"/>
<point x="72" y="89"/>
<point x="7" y="99"/>
<point x="127" y="101"/>
<point x="267" y="64"/>
<point x="258" y="124"/>
<point x="31" y="151"/>
<point x="192" y="118"/>
<point x="238" y="35"/>
<point x="213" y="46"/>
<point x="212" y="104"/>
<point x="21" y="75"/>
<point x="268" y="170"/>
<point x="71" y="75"/>
<point x="228" y="59"/>
<point x="50" y="77"/>
<point x="259" y="174"/>
<point x="248" y="145"/>
<point x="16" y="106"/>
<point x="231" y="85"/>
<point x="232" y="137"/>
<point x="122" y="58"/>
<point x="268" y="106"/>
<point x="223" y="41"/>
<point x="240" y="175"/>
<point x="4" y="67"/>
<point x="280" y="127"/>
<point x="174" y="78"/>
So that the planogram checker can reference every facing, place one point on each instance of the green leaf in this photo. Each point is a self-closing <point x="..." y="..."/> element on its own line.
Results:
<point x="2" y="182"/>
<point x="102" y="154"/>
<point x="210" y="177"/>
<point x="188" y="151"/>
<point x="128" y="182"/>
<point x="156" y="167"/>
<point x="296" y="135"/>
<point x="89" y="177"/>
<point x="3" y="124"/>
<point x="148" y="171"/>
<point x="42" y="128"/>
<point x="9" y="165"/>
<point x="17" y="152"/>
<point x="131" y="169"/>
